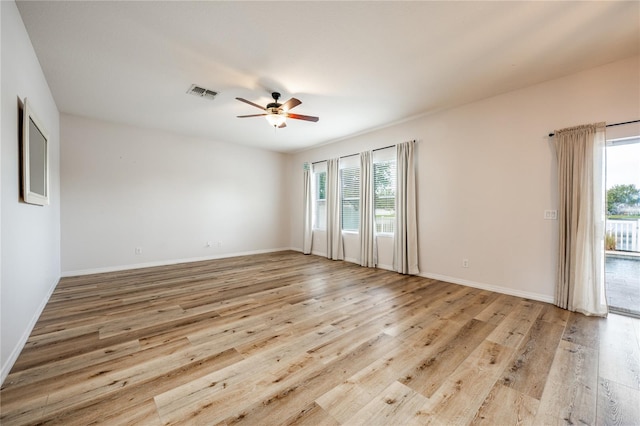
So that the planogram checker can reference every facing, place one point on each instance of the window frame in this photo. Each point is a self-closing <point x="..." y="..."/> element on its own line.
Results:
<point x="319" y="170"/>
<point x="388" y="156"/>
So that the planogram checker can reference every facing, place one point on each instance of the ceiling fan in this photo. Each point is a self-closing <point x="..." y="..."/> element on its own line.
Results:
<point x="277" y="113"/>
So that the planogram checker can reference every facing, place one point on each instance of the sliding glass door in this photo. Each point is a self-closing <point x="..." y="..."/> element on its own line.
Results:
<point x="622" y="240"/>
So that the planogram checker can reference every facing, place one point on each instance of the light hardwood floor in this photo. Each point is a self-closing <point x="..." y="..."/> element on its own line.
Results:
<point x="284" y="338"/>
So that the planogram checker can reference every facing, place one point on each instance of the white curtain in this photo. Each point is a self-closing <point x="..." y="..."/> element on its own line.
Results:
<point x="580" y="277"/>
<point x="405" y="253"/>
<point x="367" y="227"/>
<point x="335" y="250"/>
<point x="307" y="234"/>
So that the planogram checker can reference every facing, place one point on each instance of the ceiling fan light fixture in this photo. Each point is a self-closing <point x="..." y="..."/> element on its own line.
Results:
<point x="276" y="119"/>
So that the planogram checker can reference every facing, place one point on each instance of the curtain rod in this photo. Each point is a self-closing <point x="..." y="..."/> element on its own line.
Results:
<point x="609" y="125"/>
<point x="351" y="155"/>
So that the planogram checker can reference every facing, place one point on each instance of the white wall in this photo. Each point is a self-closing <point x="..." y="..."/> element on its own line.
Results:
<point x="486" y="172"/>
<point x="30" y="235"/>
<point x="125" y="187"/>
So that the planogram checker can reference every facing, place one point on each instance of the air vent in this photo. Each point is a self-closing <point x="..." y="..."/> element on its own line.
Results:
<point x="201" y="92"/>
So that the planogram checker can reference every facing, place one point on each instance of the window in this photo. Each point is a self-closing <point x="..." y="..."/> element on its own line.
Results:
<point x="350" y="193"/>
<point x="320" y="196"/>
<point x="384" y="190"/>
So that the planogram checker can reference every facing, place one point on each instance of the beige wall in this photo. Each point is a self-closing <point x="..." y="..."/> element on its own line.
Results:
<point x="486" y="174"/>
<point x="125" y="187"/>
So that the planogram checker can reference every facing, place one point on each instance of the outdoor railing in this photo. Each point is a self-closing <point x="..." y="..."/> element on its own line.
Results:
<point x="626" y="232"/>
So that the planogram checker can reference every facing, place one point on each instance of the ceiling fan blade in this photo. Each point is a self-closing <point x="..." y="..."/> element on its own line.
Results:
<point x="252" y="115"/>
<point x="250" y="103"/>
<point x="303" y="117"/>
<point x="290" y="104"/>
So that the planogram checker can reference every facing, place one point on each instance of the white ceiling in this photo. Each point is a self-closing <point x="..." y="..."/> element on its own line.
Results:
<point x="356" y="65"/>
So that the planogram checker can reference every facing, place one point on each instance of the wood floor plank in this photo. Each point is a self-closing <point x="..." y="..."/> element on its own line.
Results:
<point x="225" y="387"/>
<point x="440" y="360"/>
<point x="209" y="393"/>
<point x="619" y="361"/>
<point x="313" y="415"/>
<point x="35" y="355"/>
<point x="276" y="393"/>
<point x="343" y="400"/>
<point x="355" y="392"/>
<point x="555" y="315"/>
<point x="496" y="311"/>
<point x="397" y="401"/>
<point x="419" y="315"/>
<point x="432" y="331"/>
<point x="131" y="371"/>
<point x="507" y="406"/>
<point x="570" y="394"/>
<point x="460" y="396"/>
<point x="516" y="325"/>
<point x="283" y="338"/>
<point x="583" y="330"/>
<point x="346" y="342"/>
<point x="312" y="384"/>
<point x="131" y="399"/>
<point x="140" y="320"/>
<point x="617" y="404"/>
<point x="532" y="360"/>
<point x="70" y="364"/>
<point x="28" y="412"/>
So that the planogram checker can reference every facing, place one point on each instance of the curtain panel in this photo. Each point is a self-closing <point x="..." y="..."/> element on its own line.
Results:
<point x="367" y="227"/>
<point x="405" y="253"/>
<point x="335" y="249"/>
<point x="580" y="155"/>
<point x="307" y="221"/>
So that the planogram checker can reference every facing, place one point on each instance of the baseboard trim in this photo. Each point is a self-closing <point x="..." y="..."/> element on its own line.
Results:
<point x="13" y="356"/>
<point x="385" y="267"/>
<point x="483" y="286"/>
<point x="167" y="262"/>
<point x="352" y="260"/>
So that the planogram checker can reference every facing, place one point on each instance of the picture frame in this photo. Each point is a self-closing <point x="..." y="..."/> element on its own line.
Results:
<point x="35" y="158"/>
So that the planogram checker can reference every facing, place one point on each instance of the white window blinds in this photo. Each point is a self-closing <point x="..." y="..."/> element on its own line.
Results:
<point x="350" y="193"/>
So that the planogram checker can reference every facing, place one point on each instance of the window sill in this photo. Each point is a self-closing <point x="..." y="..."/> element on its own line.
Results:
<point x="385" y="234"/>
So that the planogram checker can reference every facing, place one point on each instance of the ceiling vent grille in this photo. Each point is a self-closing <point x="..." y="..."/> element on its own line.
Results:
<point x="201" y="92"/>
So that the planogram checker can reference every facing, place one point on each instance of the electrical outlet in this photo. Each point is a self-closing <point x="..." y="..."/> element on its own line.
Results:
<point x="209" y="243"/>
<point x="551" y="215"/>
<point x="465" y="263"/>
<point x="138" y="250"/>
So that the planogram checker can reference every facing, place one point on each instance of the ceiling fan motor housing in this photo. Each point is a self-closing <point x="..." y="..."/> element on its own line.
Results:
<point x="274" y="105"/>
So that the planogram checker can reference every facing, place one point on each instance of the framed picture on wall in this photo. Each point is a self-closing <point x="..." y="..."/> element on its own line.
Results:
<point x="35" y="159"/>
